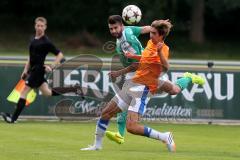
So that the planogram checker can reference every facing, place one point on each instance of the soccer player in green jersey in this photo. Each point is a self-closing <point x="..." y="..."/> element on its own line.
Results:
<point x="126" y="41"/>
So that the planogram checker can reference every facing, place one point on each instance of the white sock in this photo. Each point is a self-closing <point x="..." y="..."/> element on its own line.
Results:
<point x="149" y="132"/>
<point x="101" y="127"/>
<point x="157" y="135"/>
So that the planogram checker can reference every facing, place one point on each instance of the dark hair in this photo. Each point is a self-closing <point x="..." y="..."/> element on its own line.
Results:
<point x="162" y="26"/>
<point x="113" y="19"/>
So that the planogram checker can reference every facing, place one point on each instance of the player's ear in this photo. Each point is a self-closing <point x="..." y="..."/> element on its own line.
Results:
<point x="122" y="25"/>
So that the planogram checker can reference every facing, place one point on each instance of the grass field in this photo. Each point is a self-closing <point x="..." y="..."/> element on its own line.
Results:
<point x="62" y="140"/>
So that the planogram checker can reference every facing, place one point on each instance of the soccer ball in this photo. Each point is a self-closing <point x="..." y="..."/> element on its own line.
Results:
<point x="131" y="14"/>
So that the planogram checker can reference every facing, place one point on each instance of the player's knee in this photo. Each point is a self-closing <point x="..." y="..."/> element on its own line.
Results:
<point x="106" y="115"/>
<point x="175" y="90"/>
<point x="109" y="111"/>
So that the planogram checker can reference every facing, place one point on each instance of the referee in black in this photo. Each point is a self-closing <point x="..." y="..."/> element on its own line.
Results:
<point x="35" y="69"/>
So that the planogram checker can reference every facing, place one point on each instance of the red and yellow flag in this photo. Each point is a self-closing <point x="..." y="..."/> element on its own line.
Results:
<point x="15" y="94"/>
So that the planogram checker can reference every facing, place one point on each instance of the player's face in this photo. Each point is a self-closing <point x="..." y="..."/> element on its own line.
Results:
<point x="40" y="27"/>
<point x="154" y="35"/>
<point x="116" y="29"/>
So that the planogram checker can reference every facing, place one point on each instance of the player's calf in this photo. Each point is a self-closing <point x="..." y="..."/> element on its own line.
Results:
<point x="133" y="125"/>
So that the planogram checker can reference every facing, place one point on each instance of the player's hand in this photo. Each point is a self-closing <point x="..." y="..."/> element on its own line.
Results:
<point x="159" y="46"/>
<point x="114" y="74"/>
<point x="24" y="75"/>
<point x="48" y="69"/>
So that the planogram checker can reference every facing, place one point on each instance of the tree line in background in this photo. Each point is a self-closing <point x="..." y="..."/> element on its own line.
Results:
<point x="197" y="19"/>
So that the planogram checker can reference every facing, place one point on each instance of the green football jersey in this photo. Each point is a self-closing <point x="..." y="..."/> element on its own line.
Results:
<point x="129" y="43"/>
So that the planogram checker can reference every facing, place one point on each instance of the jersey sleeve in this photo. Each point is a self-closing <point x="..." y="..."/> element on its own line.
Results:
<point x="136" y="30"/>
<point x="53" y="49"/>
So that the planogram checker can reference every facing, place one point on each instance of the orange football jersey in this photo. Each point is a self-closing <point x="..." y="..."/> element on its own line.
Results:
<point x="150" y="66"/>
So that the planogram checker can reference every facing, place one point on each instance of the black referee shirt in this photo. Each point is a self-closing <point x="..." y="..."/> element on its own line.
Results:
<point x="39" y="49"/>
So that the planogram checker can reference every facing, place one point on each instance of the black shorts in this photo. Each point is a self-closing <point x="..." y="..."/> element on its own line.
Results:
<point x="36" y="77"/>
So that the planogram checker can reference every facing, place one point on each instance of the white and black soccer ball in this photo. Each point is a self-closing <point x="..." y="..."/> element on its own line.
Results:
<point x="131" y="14"/>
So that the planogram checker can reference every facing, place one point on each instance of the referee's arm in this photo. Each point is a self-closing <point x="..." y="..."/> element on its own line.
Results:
<point x="26" y="68"/>
<point x="58" y="59"/>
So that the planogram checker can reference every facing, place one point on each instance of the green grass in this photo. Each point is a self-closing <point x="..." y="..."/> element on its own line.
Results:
<point x="62" y="140"/>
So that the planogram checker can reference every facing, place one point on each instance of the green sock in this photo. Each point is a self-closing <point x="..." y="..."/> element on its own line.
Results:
<point x="184" y="82"/>
<point x="121" y="122"/>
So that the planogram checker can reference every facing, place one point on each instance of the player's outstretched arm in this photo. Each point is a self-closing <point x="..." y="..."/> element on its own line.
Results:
<point x="132" y="56"/>
<point x="133" y="67"/>
<point x="145" y="29"/>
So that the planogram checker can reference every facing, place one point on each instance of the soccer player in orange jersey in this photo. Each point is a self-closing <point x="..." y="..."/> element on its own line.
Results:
<point x="143" y="75"/>
<point x="144" y="84"/>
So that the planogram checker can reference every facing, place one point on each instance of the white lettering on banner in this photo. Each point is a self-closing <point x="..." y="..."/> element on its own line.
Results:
<point x="168" y="111"/>
<point x="218" y="85"/>
<point x="107" y="84"/>
<point x="85" y="83"/>
<point x="101" y="84"/>
<point x="68" y="81"/>
<point x="85" y="106"/>
<point x="165" y="111"/>
<point x="206" y="87"/>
